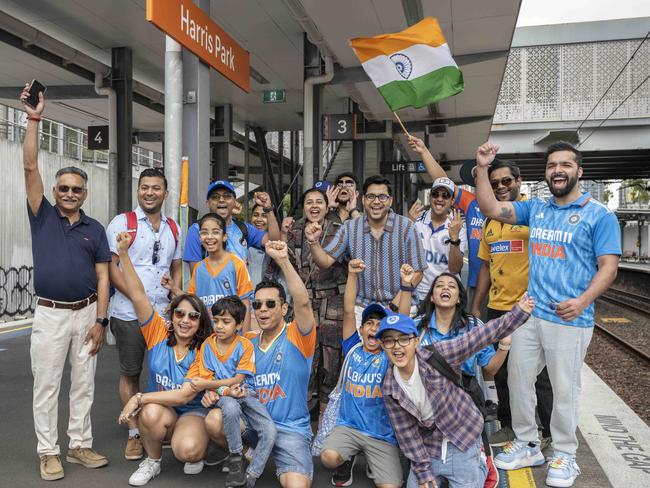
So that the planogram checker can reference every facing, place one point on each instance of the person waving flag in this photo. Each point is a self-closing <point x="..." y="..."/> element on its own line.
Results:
<point x="412" y="68"/>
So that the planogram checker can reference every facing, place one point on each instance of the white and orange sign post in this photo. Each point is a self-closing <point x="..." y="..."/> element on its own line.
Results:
<point x="191" y="27"/>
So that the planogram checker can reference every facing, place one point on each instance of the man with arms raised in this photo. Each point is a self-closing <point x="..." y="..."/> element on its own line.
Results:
<point x="283" y="357"/>
<point x="71" y="259"/>
<point x="575" y="245"/>
<point x="155" y="252"/>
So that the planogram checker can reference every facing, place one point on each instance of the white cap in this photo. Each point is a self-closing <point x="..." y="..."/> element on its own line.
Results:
<point x="444" y="183"/>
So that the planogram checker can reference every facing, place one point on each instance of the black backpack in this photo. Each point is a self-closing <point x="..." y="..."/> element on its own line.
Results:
<point x="464" y="381"/>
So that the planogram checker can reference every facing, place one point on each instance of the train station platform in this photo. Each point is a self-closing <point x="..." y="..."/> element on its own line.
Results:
<point x="631" y="266"/>
<point x="614" y="442"/>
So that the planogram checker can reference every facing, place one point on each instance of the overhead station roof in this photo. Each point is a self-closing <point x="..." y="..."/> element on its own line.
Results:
<point x="268" y="30"/>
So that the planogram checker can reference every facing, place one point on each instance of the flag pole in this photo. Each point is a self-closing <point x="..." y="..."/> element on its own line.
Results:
<point x="400" y="123"/>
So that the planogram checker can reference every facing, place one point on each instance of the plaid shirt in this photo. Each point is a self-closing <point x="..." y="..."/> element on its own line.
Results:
<point x="399" y="244"/>
<point x="454" y="414"/>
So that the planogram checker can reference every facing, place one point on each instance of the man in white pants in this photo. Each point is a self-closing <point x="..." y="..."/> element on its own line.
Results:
<point x="575" y="245"/>
<point x="71" y="257"/>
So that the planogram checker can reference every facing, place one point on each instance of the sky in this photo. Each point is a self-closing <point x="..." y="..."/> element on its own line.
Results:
<point x="541" y="12"/>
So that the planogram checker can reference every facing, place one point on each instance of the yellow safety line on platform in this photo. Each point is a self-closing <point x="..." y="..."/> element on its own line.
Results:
<point x="15" y="330"/>
<point x="521" y="478"/>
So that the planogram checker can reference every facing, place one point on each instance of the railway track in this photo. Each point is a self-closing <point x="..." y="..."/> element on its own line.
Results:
<point x="632" y="301"/>
<point x="631" y="348"/>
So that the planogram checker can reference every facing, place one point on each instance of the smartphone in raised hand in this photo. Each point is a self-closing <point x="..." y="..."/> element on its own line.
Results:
<point x="35" y="87"/>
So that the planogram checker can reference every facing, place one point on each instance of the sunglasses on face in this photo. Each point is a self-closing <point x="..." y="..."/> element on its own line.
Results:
<point x="156" y="249"/>
<point x="257" y="304"/>
<point x="346" y="183"/>
<point x="180" y="314"/>
<point x="507" y="181"/>
<point x="402" y="341"/>
<point x="226" y="197"/>
<point x="77" y="190"/>
<point x="371" y="197"/>
<point x="443" y="194"/>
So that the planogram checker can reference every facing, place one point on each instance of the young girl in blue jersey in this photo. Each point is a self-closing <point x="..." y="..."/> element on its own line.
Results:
<point x="227" y="360"/>
<point x="363" y="424"/>
<point x="172" y="349"/>
<point x="221" y="273"/>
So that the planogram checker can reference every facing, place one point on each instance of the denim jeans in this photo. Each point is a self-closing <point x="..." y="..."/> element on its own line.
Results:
<point x="460" y="469"/>
<point x="256" y="418"/>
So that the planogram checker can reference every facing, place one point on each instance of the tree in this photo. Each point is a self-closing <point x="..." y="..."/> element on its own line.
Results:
<point x="638" y="190"/>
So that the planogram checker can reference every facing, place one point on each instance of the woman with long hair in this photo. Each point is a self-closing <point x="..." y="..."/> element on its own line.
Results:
<point x="172" y="347"/>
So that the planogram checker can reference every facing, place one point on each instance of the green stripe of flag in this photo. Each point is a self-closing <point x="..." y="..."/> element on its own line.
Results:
<point x="420" y="92"/>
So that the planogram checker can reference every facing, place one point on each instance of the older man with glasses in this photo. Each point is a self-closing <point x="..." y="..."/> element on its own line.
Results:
<point x="381" y="238"/>
<point x="71" y="259"/>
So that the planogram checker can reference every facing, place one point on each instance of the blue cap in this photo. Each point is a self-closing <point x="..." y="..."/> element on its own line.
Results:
<point x="322" y="185"/>
<point x="220" y="184"/>
<point x="398" y="322"/>
<point x="373" y="307"/>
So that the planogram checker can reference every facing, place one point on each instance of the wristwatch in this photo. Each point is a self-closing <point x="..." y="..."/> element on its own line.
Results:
<point x="454" y="242"/>
<point x="267" y="209"/>
<point x="103" y="321"/>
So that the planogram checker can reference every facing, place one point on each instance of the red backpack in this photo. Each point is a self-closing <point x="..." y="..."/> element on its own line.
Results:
<point x="132" y="226"/>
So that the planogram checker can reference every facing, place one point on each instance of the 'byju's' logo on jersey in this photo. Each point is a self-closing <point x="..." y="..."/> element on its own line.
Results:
<point x="403" y="65"/>
<point x="507" y="247"/>
<point x="573" y="219"/>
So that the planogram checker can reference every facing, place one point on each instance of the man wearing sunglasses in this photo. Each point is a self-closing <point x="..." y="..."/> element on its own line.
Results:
<point x="443" y="234"/>
<point x="347" y="195"/>
<point x="155" y="252"/>
<point x="380" y="237"/>
<point x="71" y="257"/>
<point x="504" y="273"/>
<point x="464" y="200"/>
<point x="221" y="199"/>
<point x="283" y="358"/>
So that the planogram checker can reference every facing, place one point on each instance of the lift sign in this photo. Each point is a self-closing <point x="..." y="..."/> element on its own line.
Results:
<point x="190" y="26"/>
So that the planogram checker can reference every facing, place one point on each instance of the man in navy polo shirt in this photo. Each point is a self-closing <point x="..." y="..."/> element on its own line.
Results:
<point x="221" y="200"/>
<point x="71" y="259"/>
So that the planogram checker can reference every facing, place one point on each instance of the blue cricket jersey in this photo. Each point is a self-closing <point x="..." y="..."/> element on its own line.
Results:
<point x="565" y="243"/>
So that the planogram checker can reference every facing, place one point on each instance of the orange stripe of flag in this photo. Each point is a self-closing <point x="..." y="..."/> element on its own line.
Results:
<point x="185" y="182"/>
<point x="427" y="31"/>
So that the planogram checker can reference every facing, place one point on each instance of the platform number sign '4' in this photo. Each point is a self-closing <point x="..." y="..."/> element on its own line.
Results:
<point x="98" y="137"/>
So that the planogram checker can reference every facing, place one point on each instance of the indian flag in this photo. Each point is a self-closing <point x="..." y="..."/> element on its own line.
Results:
<point x="410" y="68"/>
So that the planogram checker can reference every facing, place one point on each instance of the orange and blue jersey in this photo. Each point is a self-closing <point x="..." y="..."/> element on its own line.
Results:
<point x="238" y="359"/>
<point x="466" y="201"/>
<point x="165" y="370"/>
<point x="229" y="278"/>
<point x="283" y="370"/>
<point x="362" y="404"/>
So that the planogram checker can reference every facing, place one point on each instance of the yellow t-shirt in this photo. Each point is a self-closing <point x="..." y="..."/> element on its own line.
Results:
<point x="505" y="246"/>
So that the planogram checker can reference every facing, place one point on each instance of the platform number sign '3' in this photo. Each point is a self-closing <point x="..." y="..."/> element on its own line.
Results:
<point x="98" y="137"/>
<point x="338" y="127"/>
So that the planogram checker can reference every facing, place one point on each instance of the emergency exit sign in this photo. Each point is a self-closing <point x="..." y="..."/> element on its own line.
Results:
<point x="274" y="96"/>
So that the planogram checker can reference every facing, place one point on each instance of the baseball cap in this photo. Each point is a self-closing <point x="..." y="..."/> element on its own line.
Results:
<point x="215" y="185"/>
<point x="322" y="185"/>
<point x="443" y="182"/>
<point x="373" y="307"/>
<point x="398" y="322"/>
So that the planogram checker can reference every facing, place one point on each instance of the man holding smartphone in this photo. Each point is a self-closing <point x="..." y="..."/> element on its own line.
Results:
<point x="71" y="257"/>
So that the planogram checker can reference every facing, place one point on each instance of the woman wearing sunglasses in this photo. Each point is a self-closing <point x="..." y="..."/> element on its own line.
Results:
<point x="169" y="410"/>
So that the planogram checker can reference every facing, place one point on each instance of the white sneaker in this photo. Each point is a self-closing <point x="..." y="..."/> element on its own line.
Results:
<point x="147" y="470"/>
<point x="562" y="471"/>
<point x="193" y="468"/>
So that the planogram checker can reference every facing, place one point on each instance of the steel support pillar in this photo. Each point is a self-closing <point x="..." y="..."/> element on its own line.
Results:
<point x="172" y="144"/>
<point x="122" y="83"/>
<point x="267" y="168"/>
<point x="281" y="161"/>
<point x="196" y="121"/>
<point x="220" y="141"/>
<point x="358" y="148"/>
<point x="317" y="131"/>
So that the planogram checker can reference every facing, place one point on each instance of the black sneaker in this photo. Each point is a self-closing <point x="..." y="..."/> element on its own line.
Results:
<point x="491" y="409"/>
<point x="236" y="471"/>
<point x="343" y="474"/>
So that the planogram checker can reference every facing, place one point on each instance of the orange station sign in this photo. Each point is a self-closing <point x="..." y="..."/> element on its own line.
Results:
<point x="191" y="27"/>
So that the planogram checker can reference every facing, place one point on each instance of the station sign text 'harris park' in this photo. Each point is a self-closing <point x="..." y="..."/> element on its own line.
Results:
<point x="191" y="27"/>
